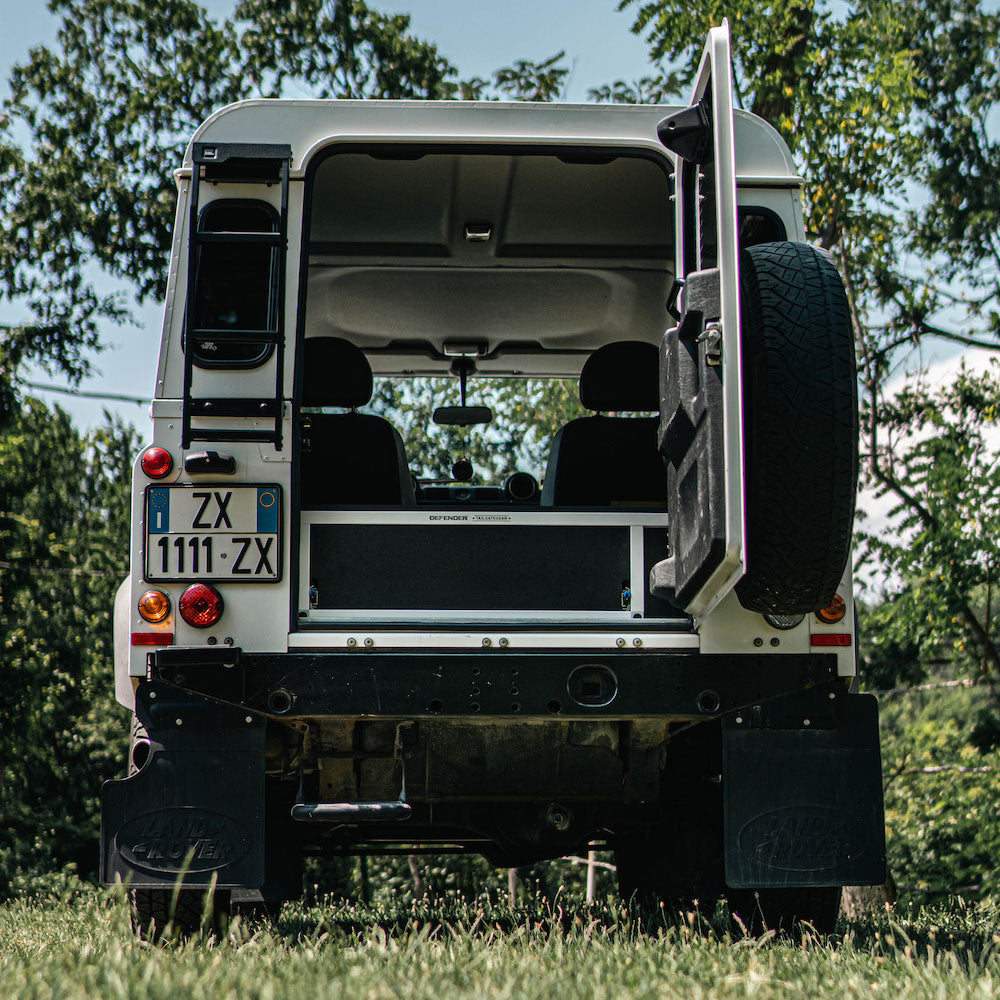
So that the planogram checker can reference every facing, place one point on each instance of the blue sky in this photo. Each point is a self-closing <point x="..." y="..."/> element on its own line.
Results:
<point x="477" y="36"/>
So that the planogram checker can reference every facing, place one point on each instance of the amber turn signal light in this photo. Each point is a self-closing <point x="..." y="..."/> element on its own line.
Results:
<point x="156" y="462"/>
<point x="200" y="605"/>
<point x="833" y="612"/>
<point x="154" y="606"/>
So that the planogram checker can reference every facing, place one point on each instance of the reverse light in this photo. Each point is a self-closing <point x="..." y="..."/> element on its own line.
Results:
<point x="200" y="605"/>
<point x="833" y="612"/>
<point x="154" y="606"/>
<point x="156" y="462"/>
<point x="783" y="622"/>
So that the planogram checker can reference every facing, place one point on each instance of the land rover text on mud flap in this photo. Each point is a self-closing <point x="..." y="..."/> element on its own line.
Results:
<point x="653" y="651"/>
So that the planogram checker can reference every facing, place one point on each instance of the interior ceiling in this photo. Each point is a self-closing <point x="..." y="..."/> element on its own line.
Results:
<point x="577" y="254"/>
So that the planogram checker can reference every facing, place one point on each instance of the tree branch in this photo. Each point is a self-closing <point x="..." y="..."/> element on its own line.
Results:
<point x="930" y="330"/>
<point x="982" y="638"/>
<point x="923" y="328"/>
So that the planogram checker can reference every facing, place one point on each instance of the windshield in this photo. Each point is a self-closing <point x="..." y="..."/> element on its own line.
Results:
<point x="527" y="413"/>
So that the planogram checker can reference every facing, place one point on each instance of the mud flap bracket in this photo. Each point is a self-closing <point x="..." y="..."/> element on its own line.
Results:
<point x="195" y="810"/>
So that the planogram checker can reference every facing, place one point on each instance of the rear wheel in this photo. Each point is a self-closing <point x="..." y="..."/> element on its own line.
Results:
<point x="677" y="862"/>
<point x="156" y="914"/>
<point x="785" y="910"/>
<point x="801" y="427"/>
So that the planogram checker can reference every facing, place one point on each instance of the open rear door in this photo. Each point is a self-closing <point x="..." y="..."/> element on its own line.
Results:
<point x="701" y="423"/>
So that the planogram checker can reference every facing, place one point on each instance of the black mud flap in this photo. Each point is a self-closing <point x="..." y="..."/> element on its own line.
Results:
<point x="802" y="793"/>
<point x="196" y="809"/>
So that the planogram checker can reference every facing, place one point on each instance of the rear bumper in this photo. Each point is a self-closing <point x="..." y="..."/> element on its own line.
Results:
<point x="798" y="755"/>
<point x="494" y="684"/>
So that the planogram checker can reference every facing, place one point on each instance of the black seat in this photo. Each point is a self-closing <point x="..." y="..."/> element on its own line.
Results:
<point x="347" y="458"/>
<point x="604" y="461"/>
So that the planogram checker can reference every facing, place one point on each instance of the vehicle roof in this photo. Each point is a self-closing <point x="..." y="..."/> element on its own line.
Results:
<point x="310" y="125"/>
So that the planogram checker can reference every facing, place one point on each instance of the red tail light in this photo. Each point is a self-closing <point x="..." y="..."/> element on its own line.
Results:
<point x="156" y="462"/>
<point x="200" y="605"/>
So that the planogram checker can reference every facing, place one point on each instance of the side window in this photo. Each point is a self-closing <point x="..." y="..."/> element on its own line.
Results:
<point x="755" y="224"/>
<point x="760" y="225"/>
<point x="236" y="283"/>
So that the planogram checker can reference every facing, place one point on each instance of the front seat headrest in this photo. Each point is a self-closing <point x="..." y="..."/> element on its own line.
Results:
<point x="624" y="376"/>
<point x="336" y="373"/>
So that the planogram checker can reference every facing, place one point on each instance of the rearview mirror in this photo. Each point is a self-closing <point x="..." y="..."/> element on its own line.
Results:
<point x="464" y="416"/>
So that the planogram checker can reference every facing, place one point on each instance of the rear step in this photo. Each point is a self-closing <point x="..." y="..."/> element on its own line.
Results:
<point x="350" y="812"/>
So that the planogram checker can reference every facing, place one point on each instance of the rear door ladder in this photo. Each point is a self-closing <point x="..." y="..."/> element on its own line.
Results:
<point x="236" y="163"/>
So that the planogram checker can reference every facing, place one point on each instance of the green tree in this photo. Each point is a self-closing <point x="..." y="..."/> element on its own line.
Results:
<point x="886" y="108"/>
<point x="527" y="413"/>
<point x="109" y="109"/>
<point x="64" y="539"/>
<point x="940" y="800"/>
<point x="942" y="473"/>
<point x="956" y="46"/>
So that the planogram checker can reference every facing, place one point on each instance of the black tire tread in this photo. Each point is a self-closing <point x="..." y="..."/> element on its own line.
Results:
<point x="801" y="427"/>
<point x="785" y="910"/>
<point x="155" y="916"/>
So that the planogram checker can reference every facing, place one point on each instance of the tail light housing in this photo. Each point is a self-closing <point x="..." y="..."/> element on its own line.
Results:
<point x="156" y="462"/>
<point x="783" y="622"/>
<point x="833" y="612"/>
<point x="201" y="605"/>
<point x="154" y="606"/>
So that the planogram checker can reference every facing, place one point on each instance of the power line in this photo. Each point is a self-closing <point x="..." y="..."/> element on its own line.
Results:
<point x="65" y="390"/>
<point x="62" y="570"/>
<point x="941" y="768"/>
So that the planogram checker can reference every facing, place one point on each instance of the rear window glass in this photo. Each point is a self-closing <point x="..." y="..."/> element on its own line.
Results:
<point x="235" y="284"/>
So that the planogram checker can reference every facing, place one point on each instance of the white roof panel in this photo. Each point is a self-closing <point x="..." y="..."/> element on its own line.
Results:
<point x="310" y="125"/>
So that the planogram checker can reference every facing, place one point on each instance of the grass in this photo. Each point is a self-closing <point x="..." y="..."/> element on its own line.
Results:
<point x="81" y="947"/>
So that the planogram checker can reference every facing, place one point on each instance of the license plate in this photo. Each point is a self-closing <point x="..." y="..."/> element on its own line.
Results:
<point x="213" y="533"/>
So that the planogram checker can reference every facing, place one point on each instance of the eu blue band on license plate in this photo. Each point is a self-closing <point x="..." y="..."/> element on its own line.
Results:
<point x="158" y="519"/>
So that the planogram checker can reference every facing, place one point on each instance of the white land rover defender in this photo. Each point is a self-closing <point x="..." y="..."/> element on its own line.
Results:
<point x="653" y="651"/>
